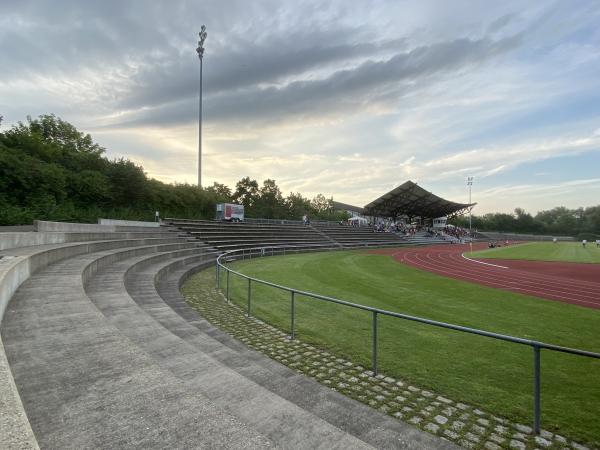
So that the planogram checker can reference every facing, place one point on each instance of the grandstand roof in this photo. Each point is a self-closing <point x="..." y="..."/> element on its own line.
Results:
<point x="412" y="200"/>
<point x="347" y="207"/>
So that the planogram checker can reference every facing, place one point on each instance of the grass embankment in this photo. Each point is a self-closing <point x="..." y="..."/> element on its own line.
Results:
<point x="545" y="251"/>
<point x="481" y="371"/>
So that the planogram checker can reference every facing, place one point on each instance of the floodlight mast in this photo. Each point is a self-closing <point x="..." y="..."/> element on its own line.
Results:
<point x="470" y="184"/>
<point x="200" y="50"/>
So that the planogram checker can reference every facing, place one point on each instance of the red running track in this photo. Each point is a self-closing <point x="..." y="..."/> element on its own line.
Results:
<point x="574" y="283"/>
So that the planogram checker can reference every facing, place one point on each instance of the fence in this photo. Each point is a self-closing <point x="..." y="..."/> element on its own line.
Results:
<point x="286" y="221"/>
<point x="375" y="312"/>
<point x="500" y="236"/>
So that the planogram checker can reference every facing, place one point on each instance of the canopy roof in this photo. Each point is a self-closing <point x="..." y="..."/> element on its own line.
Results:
<point x="346" y="207"/>
<point x="412" y="200"/>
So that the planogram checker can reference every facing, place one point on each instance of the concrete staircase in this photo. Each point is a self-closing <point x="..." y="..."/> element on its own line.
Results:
<point x="350" y="237"/>
<point x="100" y="350"/>
<point x="233" y="236"/>
<point x="423" y="238"/>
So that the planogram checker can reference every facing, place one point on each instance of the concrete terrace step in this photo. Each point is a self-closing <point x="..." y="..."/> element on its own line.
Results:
<point x="245" y="235"/>
<point x="266" y="242"/>
<point x="355" y="418"/>
<point x="28" y="239"/>
<point x="270" y="415"/>
<point x="84" y="385"/>
<point x="106" y="354"/>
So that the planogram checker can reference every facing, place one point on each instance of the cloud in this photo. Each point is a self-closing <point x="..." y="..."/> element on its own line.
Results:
<point x="492" y="160"/>
<point x="324" y="98"/>
<point x="341" y="90"/>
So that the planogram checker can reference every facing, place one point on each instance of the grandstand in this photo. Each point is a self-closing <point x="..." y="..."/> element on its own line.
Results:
<point x="411" y="200"/>
<point x="233" y="236"/>
<point x="407" y="200"/>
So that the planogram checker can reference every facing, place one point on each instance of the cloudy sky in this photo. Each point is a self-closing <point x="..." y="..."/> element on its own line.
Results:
<point x="344" y="98"/>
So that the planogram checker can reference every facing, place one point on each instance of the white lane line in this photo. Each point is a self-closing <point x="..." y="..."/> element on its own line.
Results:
<point x="481" y="262"/>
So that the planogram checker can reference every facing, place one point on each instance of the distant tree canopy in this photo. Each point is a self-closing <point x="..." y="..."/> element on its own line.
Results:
<point x="51" y="171"/>
<point x="583" y="222"/>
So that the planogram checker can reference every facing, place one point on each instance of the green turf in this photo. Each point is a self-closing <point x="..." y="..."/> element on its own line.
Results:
<point x="492" y="374"/>
<point x="545" y="251"/>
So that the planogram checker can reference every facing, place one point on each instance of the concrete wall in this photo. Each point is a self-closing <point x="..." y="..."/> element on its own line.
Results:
<point x="28" y="239"/>
<point x="15" y="430"/>
<point x="128" y="223"/>
<point x="67" y="227"/>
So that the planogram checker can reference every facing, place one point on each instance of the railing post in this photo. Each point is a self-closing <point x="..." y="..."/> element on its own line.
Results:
<point x="227" y="292"/>
<point x="217" y="276"/>
<point x="293" y="335"/>
<point x="374" y="351"/>
<point x="249" y="295"/>
<point x="537" y="412"/>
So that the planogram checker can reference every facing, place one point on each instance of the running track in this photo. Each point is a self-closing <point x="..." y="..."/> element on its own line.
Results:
<point x="574" y="283"/>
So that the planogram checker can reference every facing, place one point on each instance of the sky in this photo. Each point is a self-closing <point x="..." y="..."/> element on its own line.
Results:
<point x="345" y="98"/>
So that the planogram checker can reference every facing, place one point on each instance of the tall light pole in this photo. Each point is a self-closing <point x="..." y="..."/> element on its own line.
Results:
<point x="202" y="36"/>
<point x="470" y="184"/>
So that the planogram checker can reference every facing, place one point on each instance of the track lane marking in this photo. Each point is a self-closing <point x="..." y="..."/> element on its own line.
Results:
<point x="481" y="262"/>
<point x="499" y="284"/>
<point x="494" y="278"/>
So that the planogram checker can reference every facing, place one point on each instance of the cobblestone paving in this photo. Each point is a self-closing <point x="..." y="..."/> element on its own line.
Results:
<point x="460" y="423"/>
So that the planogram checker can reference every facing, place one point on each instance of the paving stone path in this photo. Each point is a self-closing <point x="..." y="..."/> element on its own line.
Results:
<point x="460" y="423"/>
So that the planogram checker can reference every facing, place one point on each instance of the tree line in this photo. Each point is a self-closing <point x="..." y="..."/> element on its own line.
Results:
<point x="560" y="221"/>
<point x="51" y="171"/>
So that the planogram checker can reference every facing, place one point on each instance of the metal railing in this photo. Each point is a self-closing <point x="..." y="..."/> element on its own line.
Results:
<point x="249" y="253"/>
<point x="259" y="221"/>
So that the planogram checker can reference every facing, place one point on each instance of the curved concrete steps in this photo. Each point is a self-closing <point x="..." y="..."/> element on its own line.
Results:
<point x="323" y="404"/>
<point x="264" y="411"/>
<point x="21" y="255"/>
<point x="106" y="353"/>
<point x="85" y="385"/>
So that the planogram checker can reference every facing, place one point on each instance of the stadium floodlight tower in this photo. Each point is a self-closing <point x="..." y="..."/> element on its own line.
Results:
<point x="470" y="184"/>
<point x="202" y="36"/>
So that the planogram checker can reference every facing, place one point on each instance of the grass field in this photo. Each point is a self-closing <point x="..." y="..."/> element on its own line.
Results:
<point x="545" y="251"/>
<point x="492" y="374"/>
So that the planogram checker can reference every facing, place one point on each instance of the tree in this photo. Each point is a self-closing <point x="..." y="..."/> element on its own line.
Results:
<point x="296" y="205"/>
<point x="525" y="222"/>
<point x="128" y="183"/>
<point x="89" y="187"/>
<point x="321" y="204"/>
<point x="55" y="130"/>
<point x="246" y="191"/>
<point x="269" y="203"/>
<point x="221" y="192"/>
